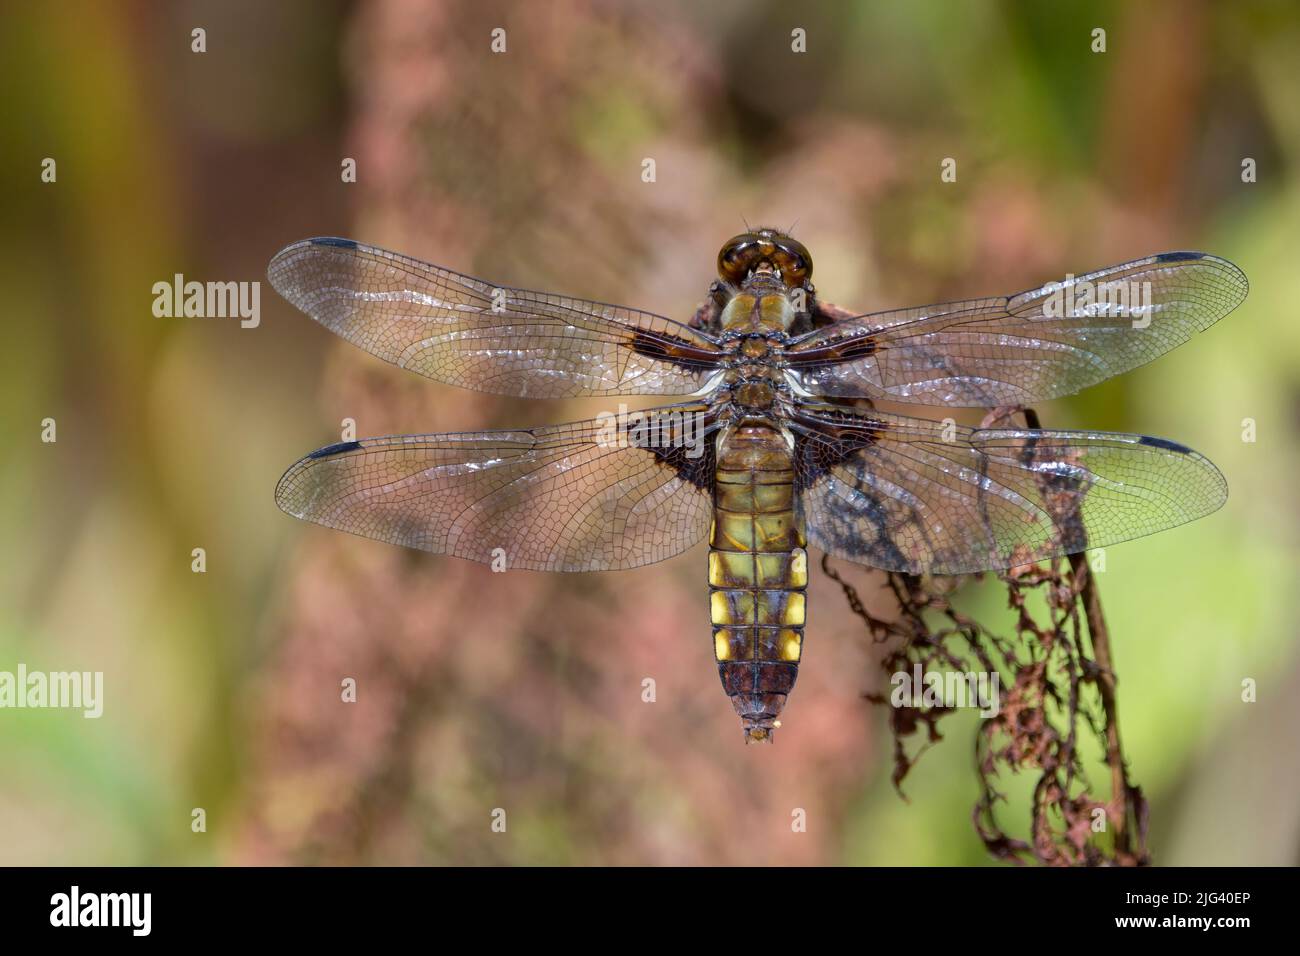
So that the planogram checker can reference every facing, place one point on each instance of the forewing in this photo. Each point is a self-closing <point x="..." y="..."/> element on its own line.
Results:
<point x="575" y="497"/>
<point x="1041" y="344"/>
<point x="923" y="497"/>
<point x="469" y="333"/>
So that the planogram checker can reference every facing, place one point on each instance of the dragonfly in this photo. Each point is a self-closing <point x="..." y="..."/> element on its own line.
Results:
<point x="773" y="442"/>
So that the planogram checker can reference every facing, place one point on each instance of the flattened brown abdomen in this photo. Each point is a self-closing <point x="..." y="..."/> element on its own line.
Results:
<point x="758" y="573"/>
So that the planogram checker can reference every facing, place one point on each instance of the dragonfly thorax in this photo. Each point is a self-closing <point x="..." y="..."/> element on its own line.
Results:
<point x="754" y="394"/>
<point x="761" y="306"/>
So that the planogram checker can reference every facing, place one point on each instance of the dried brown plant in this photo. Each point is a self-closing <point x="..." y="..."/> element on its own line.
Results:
<point x="1060" y="682"/>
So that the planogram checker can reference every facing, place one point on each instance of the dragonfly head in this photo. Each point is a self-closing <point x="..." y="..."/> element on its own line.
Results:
<point x="765" y="250"/>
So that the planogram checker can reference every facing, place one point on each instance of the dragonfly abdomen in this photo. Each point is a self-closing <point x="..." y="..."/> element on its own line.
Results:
<point x="758" y="573"/>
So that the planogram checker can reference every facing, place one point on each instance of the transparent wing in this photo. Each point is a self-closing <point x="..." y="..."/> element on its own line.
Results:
<point x="575" y="497"/>
<point x="1037" y="345"/>
<point x="470" y="333"/>
<point x="917" y="496"/>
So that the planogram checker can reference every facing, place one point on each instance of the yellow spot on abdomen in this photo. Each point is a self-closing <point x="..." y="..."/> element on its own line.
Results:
<point x="732" y="607"/>
<point x="794" y="610"/>
<point x="799" y="568"/>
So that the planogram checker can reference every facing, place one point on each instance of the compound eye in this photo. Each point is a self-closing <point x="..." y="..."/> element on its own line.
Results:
<point x="794" y="262"/>
<point x="737" y="257"/>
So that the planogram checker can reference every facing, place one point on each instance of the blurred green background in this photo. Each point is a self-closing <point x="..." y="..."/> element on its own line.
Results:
<point x="523" y="691"/>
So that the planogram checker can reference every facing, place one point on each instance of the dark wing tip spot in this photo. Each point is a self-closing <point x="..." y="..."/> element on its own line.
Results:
<point x="1164" y="443"/>
<point x="1179" y="256"/>
<point x="333" y="241"/>
<point x="337" y="448"/>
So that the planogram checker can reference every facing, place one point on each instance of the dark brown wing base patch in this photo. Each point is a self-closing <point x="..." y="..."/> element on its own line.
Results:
<point x="670" y="348"/>
<point x="699" y="471"/>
